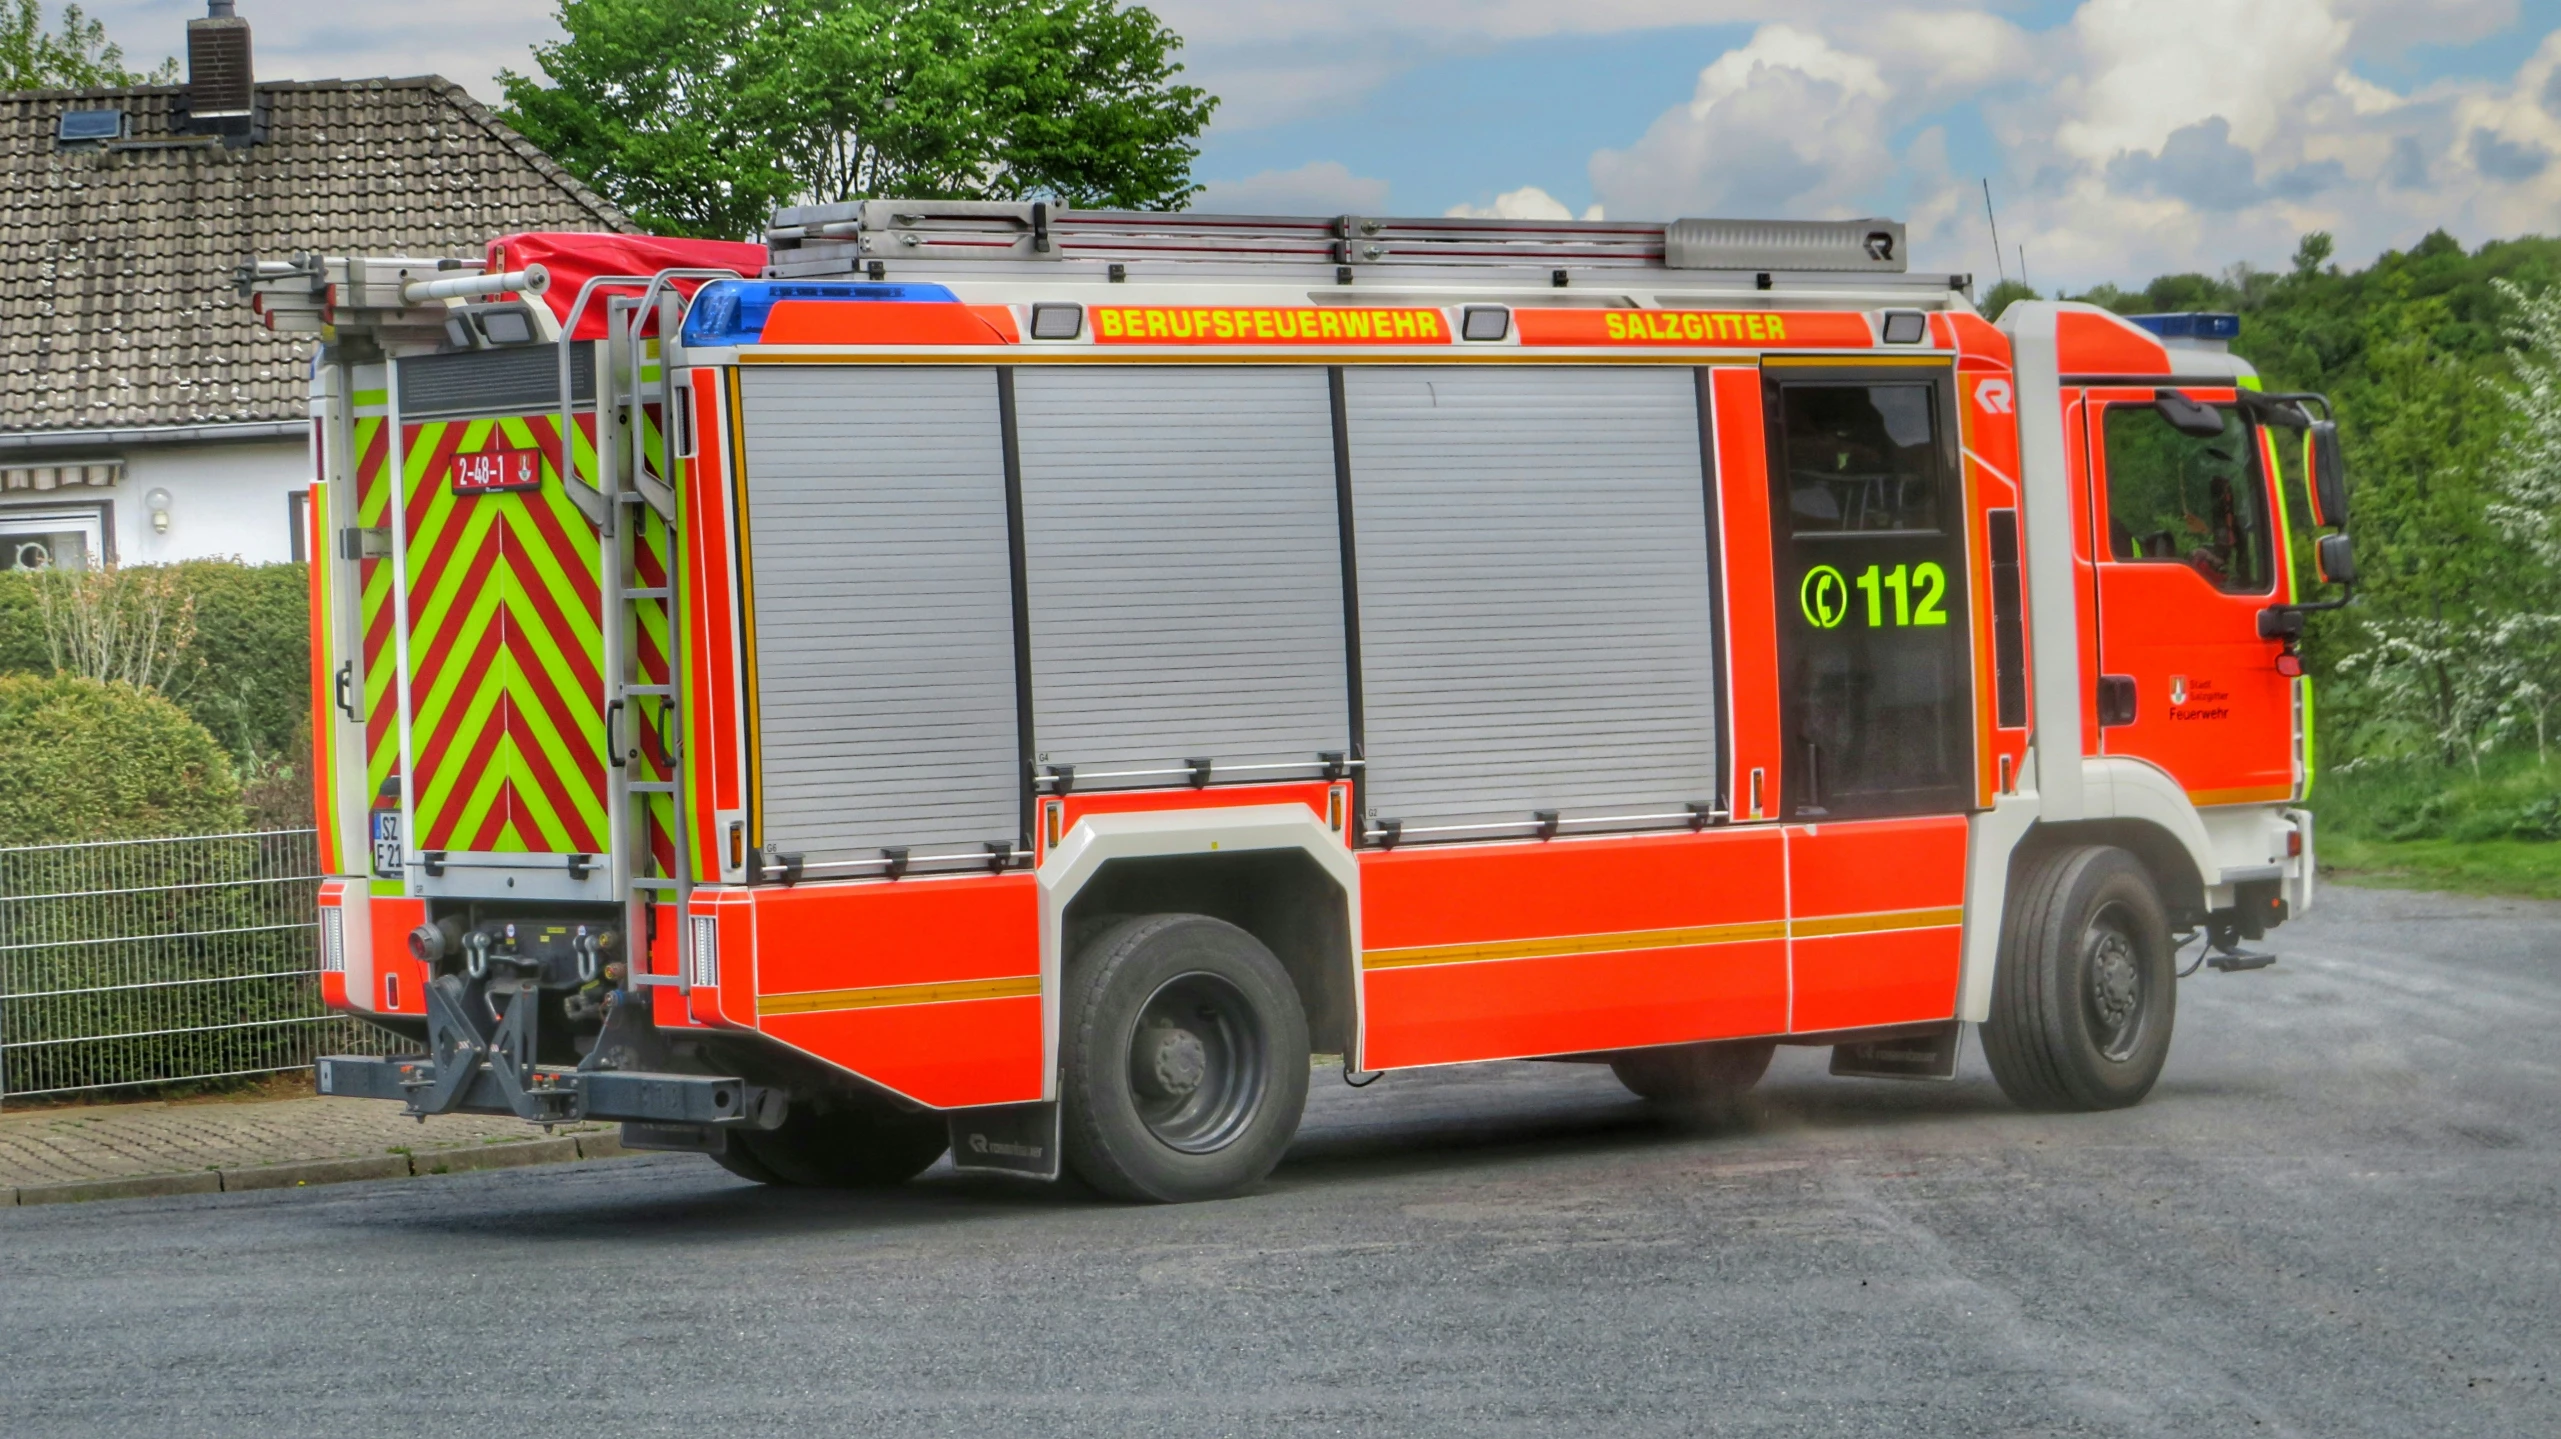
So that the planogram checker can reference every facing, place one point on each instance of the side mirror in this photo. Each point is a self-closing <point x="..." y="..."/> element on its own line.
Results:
<point x="2203" y="422"/>
<point x="2336" y="560"/>
<point x="2329" y="474"/>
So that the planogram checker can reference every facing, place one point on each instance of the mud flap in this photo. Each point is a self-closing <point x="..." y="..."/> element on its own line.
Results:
<point x="1016" y="1139"/>
<point x="1912" y="1056"/>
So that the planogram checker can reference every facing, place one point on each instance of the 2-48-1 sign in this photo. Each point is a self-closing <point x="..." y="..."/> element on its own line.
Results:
<point x="1919" y="595"/>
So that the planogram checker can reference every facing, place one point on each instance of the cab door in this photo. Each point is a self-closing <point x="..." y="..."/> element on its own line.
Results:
<point x="2187" y="553"/>
<point x="1868" y="514"/>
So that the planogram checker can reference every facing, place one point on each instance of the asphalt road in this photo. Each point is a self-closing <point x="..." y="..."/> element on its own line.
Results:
<point x="2336" y="1216"/>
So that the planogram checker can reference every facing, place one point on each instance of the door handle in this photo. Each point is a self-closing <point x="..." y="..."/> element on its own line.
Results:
<point x="613" y="752"/>
<point x="344" y="684"/>
<point x="2116" y="700"/>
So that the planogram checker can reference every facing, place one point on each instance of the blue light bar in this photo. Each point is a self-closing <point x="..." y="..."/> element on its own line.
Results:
<point x="733" y="312"/>
<point x="2198" y="325"/>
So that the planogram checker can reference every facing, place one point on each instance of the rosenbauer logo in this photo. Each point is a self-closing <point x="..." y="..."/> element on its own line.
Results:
<point x="1261" y="325"/>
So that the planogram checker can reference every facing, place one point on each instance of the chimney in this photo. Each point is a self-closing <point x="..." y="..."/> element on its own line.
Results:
<point x="221" y="95"/>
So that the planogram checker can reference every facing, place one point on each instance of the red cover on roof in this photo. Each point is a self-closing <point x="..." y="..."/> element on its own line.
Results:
<point x="575" y="257"/>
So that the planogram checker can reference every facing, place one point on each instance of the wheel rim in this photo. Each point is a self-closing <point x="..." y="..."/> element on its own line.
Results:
<point x="1196" y="1063"/>
<point x="2114" y="987"/>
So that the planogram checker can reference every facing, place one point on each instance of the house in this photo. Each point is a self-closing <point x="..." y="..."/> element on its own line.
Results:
<point x="144" y="415"/>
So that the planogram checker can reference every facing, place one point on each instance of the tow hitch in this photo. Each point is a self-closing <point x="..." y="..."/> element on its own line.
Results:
<point x="484" y="1042"/>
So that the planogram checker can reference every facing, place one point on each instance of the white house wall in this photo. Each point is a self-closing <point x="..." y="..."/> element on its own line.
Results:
<point x="228" y="500"/>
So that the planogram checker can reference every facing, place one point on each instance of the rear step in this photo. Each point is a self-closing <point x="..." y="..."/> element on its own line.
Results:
<point x="559" y="1095"/>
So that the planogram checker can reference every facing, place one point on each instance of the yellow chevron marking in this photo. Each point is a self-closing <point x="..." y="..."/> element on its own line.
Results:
<point x="1624" y="941"/>
<point x="1832" y="924"/>
<point x="814" y="1001"/>
<point x="1558" y="946"/>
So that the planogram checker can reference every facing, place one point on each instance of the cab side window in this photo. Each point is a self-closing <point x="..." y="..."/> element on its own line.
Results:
<point x="1862" y="459"/>
<point x="2184" y="499"/>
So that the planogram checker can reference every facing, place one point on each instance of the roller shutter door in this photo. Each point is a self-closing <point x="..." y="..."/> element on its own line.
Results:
<point x="1534" y="592"/>
<point x="1184" y="551"/>
<point x="881" y="564"/>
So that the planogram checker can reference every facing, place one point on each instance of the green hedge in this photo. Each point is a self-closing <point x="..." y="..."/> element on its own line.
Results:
<point x="85" y="760"/>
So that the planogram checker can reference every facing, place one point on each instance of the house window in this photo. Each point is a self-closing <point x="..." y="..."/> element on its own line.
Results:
<point x="298" y="524"/>
<point x="57" y="537"/>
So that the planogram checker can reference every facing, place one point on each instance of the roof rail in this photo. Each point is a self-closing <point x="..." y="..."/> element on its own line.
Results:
<point x="855" y="235"/>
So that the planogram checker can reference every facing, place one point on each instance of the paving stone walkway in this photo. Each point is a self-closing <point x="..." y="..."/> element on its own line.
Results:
<point x="110" y="1141"/>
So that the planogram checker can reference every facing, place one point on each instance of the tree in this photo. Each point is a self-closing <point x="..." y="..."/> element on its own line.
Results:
<point x="2004" y="295"/>
<point x="700" y="116"/>
<point x="74" y="57"/>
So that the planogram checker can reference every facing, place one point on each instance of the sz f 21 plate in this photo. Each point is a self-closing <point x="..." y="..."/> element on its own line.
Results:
<point x="1911" y="1056"/>
<point x="386" y="843"/>
<point x="1018" y="1139"/>
<point x="490" y="471"/>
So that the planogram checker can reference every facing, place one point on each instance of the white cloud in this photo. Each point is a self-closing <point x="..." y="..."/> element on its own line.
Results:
<point x="1526" y="203"/>
<point x="2138" y="137"/>
<point x="2386" y="27"/>
<point x="1788" y="124"/>
<point x="1319" y="187"/>
<point x="2145" y="68"/>
<point x="465" y="40"/>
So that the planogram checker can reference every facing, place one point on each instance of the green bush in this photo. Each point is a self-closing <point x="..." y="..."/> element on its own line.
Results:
<point x="84" y="760"/>
<point x="246" y="674"/>
<point x="2515" y="798"/>
<point x="247" y="677"/>
<point x="22" y="647"/>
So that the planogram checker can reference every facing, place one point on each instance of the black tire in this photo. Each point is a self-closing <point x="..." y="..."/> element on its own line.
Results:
<point x="2085" y="989"/>
<point x="733" y="1156"/>
<point x="845" y="1145"/>
<point x="1183" y="1059"/>
<point x="1713" y="1077"/>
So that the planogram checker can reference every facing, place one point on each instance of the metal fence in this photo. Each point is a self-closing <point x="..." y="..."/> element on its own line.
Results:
<point x="139" y="962"/>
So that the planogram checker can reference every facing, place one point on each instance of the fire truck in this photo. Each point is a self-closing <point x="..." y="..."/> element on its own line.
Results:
<point x="1017" y="681"/>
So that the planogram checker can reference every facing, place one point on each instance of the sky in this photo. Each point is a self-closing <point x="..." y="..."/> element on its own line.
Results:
<point x="2121" y="138"/>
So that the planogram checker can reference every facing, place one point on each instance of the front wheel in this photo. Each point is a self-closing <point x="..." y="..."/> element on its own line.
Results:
<point x="2085" y="988"/>
<point x="1183" y="1059"/>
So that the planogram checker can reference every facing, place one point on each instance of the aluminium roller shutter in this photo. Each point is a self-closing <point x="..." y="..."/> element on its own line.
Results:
<point x="881" y="565"/>
<point x="1184" y="552"/>
<point x="1534" y="591"/>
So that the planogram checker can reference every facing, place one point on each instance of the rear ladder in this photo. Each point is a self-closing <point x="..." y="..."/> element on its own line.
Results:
<point x="643" y="729"/>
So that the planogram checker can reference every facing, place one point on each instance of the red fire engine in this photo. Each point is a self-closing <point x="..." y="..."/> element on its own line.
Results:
<point x="1019" y="681"/>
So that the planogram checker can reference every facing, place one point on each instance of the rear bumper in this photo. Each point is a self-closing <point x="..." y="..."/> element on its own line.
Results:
<point x="557" y="1096"/>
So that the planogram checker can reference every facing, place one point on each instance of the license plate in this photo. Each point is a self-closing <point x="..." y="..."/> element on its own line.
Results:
<point x="386" y="843"/>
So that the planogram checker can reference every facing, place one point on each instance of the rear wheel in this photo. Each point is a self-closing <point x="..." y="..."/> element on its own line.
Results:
<point x="2086" y="989"/>
<point x="1697" y="1076"/>
<point x="851" y="1145"/>
<point x="1183" y="1059"/>
<point x="733" y="1156"/>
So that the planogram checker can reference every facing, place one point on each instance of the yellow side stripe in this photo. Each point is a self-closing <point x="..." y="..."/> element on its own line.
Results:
<point x="2250" y="794"/>
<point x="1564" y="945"/>
<point x="1878" y="923"/>
<point x="1558" y="946"/>
<point x="813" y="1001"/>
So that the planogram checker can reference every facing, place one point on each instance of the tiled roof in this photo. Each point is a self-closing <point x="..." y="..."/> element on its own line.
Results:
<point x="116" y="301"/>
